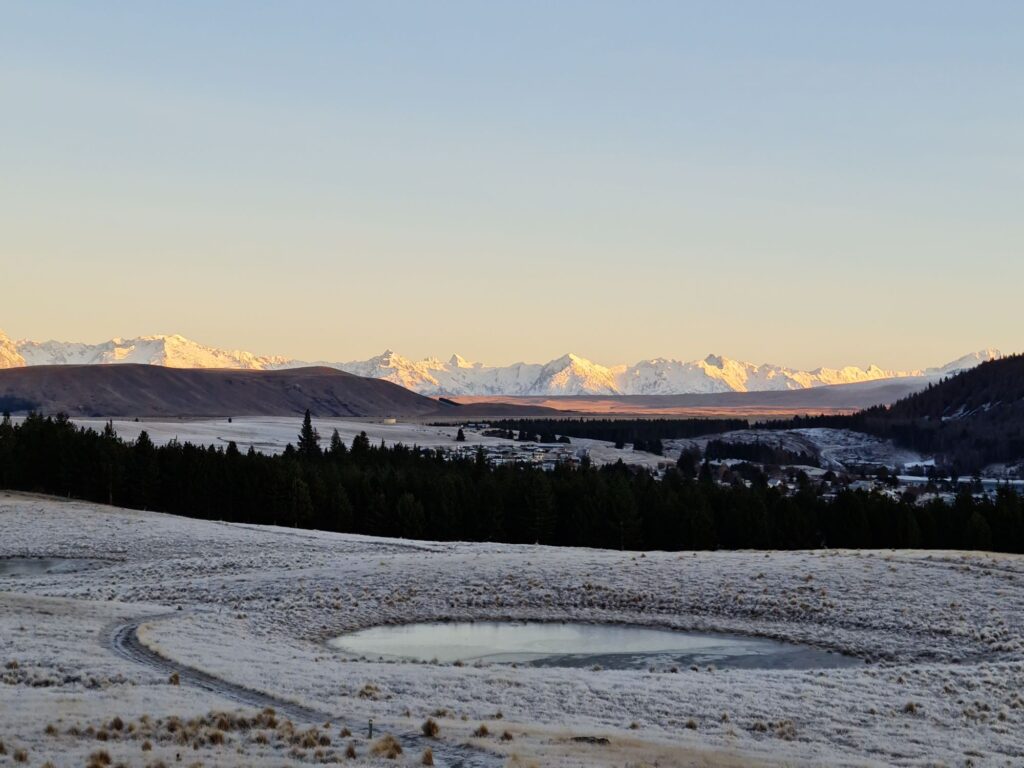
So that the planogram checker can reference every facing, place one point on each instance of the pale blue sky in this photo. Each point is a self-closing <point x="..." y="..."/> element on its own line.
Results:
<point x="798" y="182"/>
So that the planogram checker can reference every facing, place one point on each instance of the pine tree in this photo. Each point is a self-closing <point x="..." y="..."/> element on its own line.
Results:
<point x="309" y="438"/>
<point x="461" y="436"/>
<point x="337" y="449"/>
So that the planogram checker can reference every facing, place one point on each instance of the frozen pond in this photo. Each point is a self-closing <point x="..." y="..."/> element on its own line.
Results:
<point x="610" y="646"/>
<point x="43" y="566"/>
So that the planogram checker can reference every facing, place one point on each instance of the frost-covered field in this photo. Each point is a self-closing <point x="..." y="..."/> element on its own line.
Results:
<point x="942" y="635"/>
<point x="270" y="435"/>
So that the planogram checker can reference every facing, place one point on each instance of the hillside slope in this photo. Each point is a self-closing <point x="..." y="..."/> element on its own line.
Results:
<point x="149" y="390"/>
<point x="967" y="421"/>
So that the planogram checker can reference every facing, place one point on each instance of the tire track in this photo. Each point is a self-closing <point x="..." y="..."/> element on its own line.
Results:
<point x="122" y="638"/>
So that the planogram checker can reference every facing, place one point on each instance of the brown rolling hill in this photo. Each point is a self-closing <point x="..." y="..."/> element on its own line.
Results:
<point x="150" y="390"/>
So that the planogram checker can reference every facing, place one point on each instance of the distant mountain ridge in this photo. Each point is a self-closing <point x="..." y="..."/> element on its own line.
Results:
<point x="566" y="375"/>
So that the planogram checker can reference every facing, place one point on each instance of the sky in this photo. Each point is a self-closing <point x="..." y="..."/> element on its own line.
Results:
<point x="803" y="183"/>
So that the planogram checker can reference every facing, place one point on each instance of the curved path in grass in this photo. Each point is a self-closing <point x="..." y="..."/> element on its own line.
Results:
<point x="123" y="639"/>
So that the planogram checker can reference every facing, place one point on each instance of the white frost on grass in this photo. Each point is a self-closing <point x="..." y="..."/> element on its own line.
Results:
<point x="944" y="632"/>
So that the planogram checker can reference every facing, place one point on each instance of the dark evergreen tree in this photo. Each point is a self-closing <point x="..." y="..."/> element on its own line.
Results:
<point x="309" y="438"/>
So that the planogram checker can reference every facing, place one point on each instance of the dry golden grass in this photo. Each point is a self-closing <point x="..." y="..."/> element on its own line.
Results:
<point x="430" y="728"/>
<point x="386" y="746"/>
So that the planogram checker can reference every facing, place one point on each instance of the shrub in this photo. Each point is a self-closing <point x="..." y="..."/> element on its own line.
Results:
<point x="386" y="746"/>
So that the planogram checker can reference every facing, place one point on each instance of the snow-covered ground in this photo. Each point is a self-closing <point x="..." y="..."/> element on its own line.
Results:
<point x="942" y="635"/>
<point x="836" y="448"/>
<point x="270" y="434"/>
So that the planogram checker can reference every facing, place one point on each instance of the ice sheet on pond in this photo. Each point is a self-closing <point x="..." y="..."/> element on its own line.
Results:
<point x="610" y="646"/>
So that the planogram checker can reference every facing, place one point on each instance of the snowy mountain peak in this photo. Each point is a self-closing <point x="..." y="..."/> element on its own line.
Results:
<point x="458" y="361"/>
<point x="569" y="374"/>
<point x="968" y="361"/>
<point x="10" y="357"/>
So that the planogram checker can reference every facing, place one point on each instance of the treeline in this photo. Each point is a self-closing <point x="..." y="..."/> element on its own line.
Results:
<point x="759" y="453"/>
<point x="967" y="421"/>
<point x="644" y="434"/>
<point x="407" y="492"/>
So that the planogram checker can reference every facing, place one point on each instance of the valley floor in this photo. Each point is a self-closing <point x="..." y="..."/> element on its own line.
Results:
<point x="239" y="617"/>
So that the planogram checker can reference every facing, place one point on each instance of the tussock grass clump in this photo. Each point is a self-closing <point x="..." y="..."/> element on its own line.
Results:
<point x="507" y="736"/>
<point x="99" y="759"/>
<point x="369" y="691"/>
<point x="785" y="729"/>
<point x="174" y="679"/>
<point x="117" y="724"/>
<point x="691" y="724"/>
<point x="51" y="730"/>
<point x="482" y="731"/>
<point x="147" y="746"/>
<point x="911" y="708"/>
<point x="386" y="746"/>
<point x="430" y="728"/>
<point x="344" y="733"/>
<point x="350" y="750"/>
<point x="3" y="748"/>
<point x="20" y="755"/>
<point x="428" y="757"/>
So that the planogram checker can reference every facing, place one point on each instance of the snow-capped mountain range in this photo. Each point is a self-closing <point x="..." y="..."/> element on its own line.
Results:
<point x="567" y="375"/>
